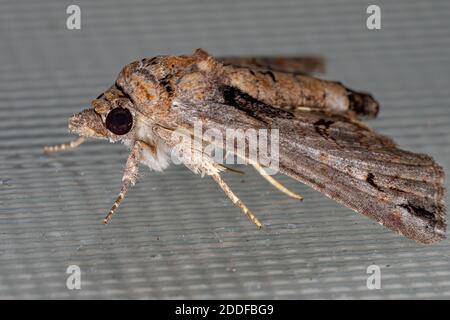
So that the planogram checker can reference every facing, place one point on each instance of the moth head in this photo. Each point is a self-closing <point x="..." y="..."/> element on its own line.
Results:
<point x="110" y="117"/>
<point x="147" y="84"/>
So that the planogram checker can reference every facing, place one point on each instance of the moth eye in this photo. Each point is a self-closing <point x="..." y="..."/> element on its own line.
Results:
<point x="119" y="121"/>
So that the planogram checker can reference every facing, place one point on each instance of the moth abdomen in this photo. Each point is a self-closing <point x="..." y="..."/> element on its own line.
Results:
<point x="363" y="104"/>
<point x="243" y="101"/>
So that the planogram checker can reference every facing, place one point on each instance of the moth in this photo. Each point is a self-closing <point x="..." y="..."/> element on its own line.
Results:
<point x="322" y="139"/>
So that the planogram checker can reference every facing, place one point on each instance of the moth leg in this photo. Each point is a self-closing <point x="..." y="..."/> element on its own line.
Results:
<point x="64" y="146"/>
<point x="226" y="168"/>
<point x="128" y="179"/>
<point x="275" y="183"/>
<point x="222" y="184"/>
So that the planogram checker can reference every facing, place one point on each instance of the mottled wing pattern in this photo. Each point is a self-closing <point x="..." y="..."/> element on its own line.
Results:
<point x="365" y="171"/>
<point x="345" y="160"/>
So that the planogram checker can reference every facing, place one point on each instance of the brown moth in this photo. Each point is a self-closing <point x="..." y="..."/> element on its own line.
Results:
<point x="322" y="141"/>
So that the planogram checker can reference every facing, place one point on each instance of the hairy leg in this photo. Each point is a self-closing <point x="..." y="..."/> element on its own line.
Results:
<point x="128" y="179"/>
<point x="275" y="183"/>
<point x="222" y="184"/>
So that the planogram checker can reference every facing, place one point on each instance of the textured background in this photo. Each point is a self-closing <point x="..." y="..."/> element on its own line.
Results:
<point x="176" y="235"/>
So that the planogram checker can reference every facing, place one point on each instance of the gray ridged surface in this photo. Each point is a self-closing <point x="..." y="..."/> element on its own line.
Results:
<point x="176" y="235"/>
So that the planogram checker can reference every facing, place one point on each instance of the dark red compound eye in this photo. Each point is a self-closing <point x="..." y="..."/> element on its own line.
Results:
<point x="119" y="121"/>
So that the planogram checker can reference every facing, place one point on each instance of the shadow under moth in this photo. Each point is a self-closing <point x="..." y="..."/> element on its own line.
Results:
<point x="322" y="141"/>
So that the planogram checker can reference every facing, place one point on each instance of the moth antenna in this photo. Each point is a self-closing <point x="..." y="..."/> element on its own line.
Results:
<point x="64" y="146"/>
<point x="275" y="183"/>
<point x="223" y="185"/>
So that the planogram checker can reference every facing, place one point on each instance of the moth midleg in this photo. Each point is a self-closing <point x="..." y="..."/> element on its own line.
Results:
<point x="64" y="146"/>
<point x="272" y="180"/>
<point x="128" y="179"/>
<point x="223" y="185"/>
<point x="275" y="183"/>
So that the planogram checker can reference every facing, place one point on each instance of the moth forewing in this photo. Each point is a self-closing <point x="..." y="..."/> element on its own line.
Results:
<point x="349" y="163"/>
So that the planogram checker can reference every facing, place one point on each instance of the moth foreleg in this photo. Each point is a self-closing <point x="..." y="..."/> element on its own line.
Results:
<point x="64" y="146"/>
<point x="128" y="179"/>
<point x="235" y="199"/>
<point x="275" y="183"/>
